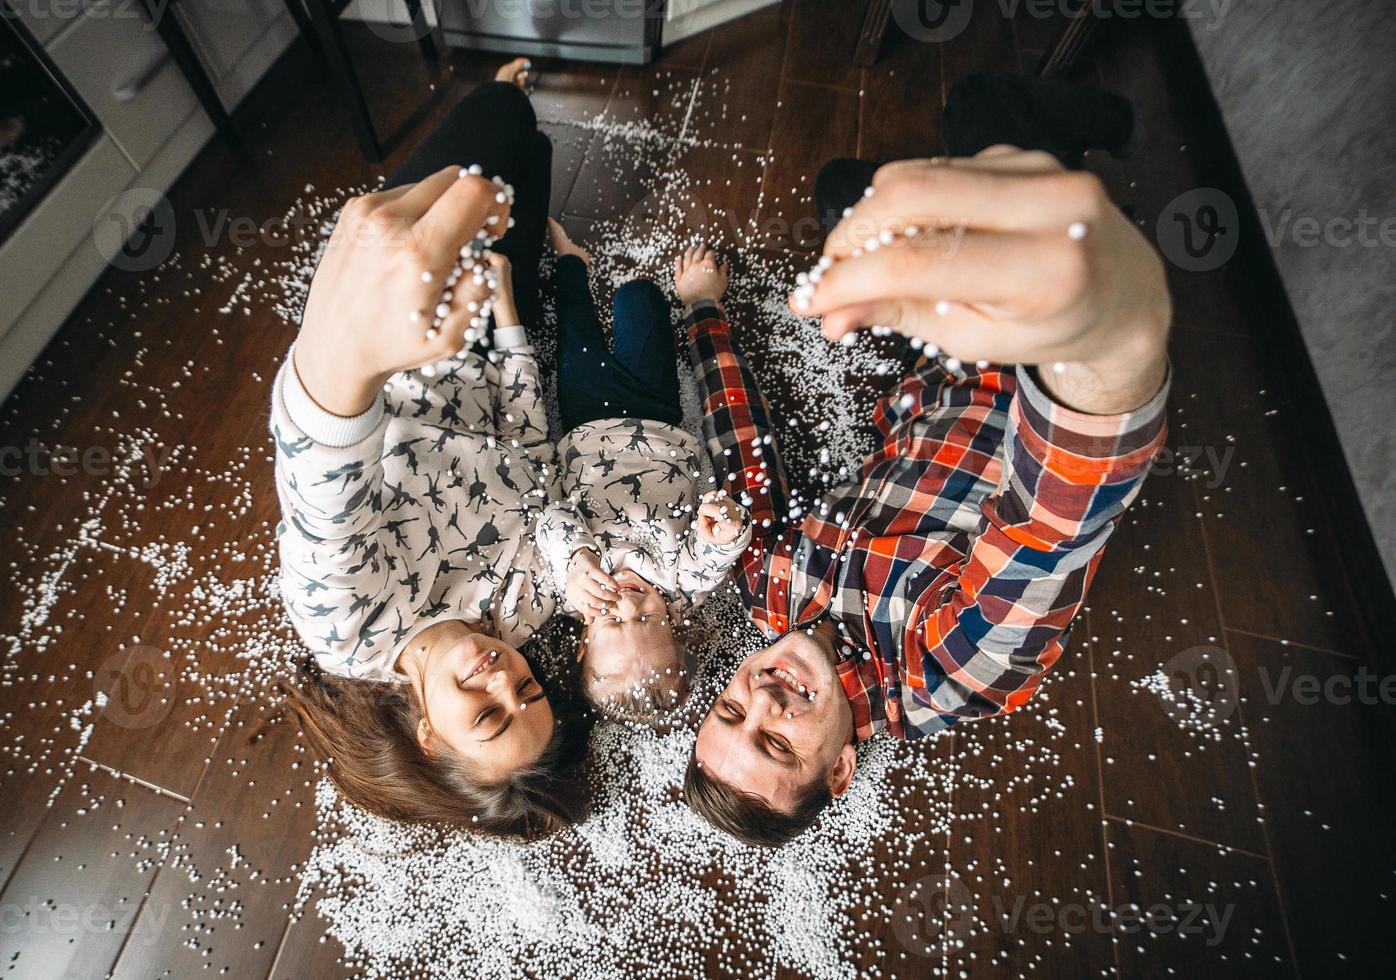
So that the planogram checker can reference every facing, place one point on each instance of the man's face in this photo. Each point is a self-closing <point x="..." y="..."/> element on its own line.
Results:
<point x="782" y="723"/>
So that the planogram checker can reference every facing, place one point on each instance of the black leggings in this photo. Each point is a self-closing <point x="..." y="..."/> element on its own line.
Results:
<point x="637" y="376"/>
<point x="495" y="126"/>
<point x="984" y="110"/>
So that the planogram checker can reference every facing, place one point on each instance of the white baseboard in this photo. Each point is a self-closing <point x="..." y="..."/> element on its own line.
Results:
<point x="685" y="18"/>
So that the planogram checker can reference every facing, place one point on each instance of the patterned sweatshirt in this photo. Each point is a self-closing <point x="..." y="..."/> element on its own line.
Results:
<point x="631" y="489"/>
<point x="422" y="509"/>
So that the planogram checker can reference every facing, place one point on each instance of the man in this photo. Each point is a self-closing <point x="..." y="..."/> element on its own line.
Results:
<point x="940" y="582"/>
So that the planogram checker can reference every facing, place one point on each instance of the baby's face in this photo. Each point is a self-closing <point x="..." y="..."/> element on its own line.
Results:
<point x="631" y="643"/>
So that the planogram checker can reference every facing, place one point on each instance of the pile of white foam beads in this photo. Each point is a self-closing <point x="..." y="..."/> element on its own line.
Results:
<point x="806" y="282"/>
<point x="474" y="260"/>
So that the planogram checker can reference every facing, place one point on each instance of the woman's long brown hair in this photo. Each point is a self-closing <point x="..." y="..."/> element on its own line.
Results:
<point x="366" y="733"/>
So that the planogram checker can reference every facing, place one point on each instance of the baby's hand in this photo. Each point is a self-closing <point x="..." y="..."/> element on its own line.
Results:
<point x="506" y="313"/>
<point x="589" y="589"/>
<point x="720" y="519"/>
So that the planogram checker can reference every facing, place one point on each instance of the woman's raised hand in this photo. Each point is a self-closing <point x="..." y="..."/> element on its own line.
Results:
<point x="384" y="279"/>
<point x="1004" y="257"/>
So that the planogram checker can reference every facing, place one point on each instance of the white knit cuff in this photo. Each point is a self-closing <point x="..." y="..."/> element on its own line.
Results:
<point x="323" y="427"/>
<point x="507" y="337"/>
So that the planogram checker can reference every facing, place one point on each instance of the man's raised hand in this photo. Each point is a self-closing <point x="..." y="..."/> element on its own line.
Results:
<point x="1004" y="257"/>
<point x="382" y="281"/>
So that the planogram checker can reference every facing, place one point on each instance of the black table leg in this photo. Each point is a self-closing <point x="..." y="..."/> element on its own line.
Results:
<point x="422" y="31"/>
<point x="342" y="71"/>
<point x="303" y="25"/>
<point x="177" y="42"/>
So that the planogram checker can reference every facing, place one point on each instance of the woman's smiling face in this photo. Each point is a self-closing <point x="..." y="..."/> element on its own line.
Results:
<point x="481" y="698"/>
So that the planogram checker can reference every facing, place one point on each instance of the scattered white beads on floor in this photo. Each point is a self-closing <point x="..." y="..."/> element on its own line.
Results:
<point x="644" y="888"/>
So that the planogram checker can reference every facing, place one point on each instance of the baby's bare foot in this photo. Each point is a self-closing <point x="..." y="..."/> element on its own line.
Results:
<point x="564" y="245"/>
<point x="515" y="71"/>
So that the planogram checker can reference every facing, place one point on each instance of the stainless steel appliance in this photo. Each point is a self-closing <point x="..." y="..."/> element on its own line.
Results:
<point x="590" y="30"/>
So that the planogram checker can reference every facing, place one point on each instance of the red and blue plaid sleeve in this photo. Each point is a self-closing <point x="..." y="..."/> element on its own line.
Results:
<point x="741" y="441"/>
<point x="980" y="645"/>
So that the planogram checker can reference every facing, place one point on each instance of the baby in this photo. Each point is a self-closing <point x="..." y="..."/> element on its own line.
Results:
<point x="632" y="543"/>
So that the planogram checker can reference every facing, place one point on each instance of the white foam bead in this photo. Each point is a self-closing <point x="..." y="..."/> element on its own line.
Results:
<point x="942" y="307"/>
<point x="443" y="310"/>
<point x="1076" y="230"/>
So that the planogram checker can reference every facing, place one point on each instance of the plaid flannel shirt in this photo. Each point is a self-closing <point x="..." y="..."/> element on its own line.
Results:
<point x="954" y="562"/>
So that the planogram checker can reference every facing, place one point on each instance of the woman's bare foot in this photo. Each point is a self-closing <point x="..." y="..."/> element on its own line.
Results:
<point x="515" y="71"/>
<point x="564" y="245"/>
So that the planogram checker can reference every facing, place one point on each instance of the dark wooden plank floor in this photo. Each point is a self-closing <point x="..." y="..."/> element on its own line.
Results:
<point x="1258" y="813"/>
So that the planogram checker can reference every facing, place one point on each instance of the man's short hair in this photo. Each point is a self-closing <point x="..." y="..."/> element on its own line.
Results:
<point x="747" y="816"/>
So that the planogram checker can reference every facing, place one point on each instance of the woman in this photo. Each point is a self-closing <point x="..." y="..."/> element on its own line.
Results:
<point x="411" y="468"/>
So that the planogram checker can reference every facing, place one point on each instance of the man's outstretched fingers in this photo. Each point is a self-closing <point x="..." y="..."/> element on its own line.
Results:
<point x="983" y="195"/>
<point x="978" y="268"/>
